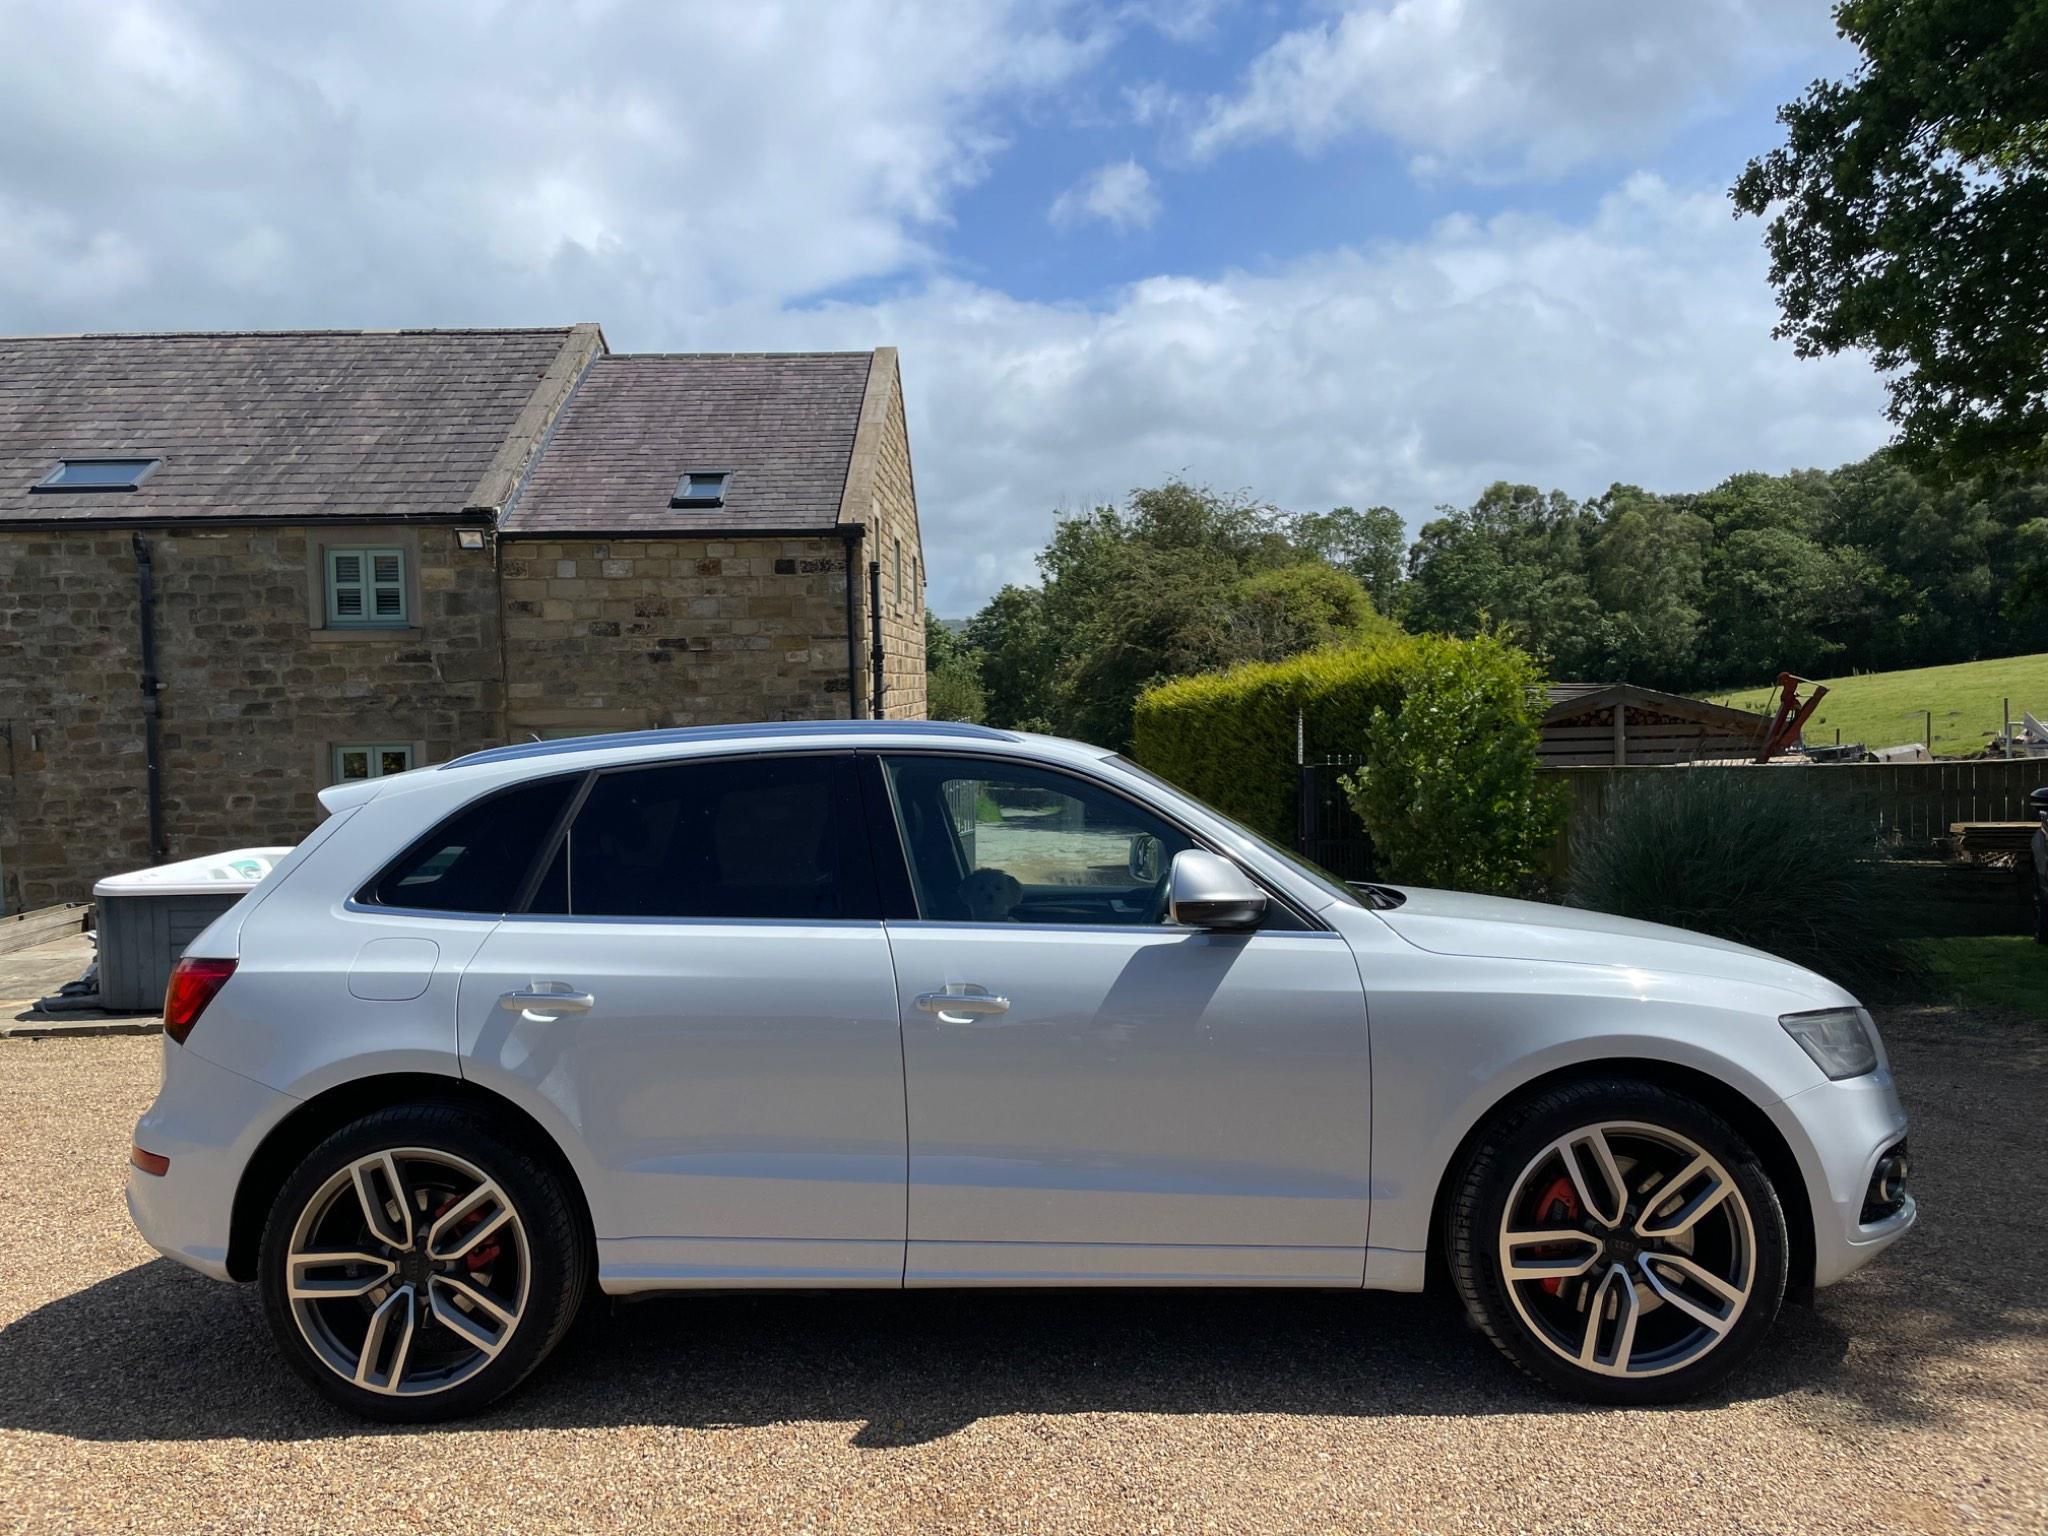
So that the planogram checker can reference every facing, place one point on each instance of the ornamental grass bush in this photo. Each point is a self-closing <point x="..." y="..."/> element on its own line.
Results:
<point x="1752" y="857"/>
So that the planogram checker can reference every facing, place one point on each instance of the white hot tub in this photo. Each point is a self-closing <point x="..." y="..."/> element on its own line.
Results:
<point x="147" y="916"/>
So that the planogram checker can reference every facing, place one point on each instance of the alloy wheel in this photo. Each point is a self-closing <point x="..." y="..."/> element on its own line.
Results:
<point x="1627" y="1249"/>
<point x="408" y="1271"/>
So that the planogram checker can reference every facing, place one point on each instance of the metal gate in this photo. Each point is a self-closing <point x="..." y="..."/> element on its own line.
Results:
<point x="1326" y="830"/>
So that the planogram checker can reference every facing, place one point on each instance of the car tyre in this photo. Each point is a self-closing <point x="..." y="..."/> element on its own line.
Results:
<point x="455" y="1293"/>
<point x="1605" y="1312"/>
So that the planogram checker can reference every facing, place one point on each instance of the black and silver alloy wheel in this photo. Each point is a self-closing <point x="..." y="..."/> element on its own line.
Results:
<point x="1618" y="1240"/>
<point x="417" y="1265"/>
<point x="407" y="1271"/>
<point x="1627" y="1249"/>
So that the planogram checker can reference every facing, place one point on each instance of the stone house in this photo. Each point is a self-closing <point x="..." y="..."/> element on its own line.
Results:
<point x="235" y="568"/>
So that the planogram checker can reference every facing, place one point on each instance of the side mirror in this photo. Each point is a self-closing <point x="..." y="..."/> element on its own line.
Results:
<point x="1211" y="892"/>
<point x="1142" y="859"/>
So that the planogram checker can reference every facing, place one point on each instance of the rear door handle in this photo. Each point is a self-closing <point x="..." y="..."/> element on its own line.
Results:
<point x="962" y="1003"/>
<point x="541" y="999"/>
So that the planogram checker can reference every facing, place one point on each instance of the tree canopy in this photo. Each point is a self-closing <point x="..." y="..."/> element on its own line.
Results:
<point x="1178" y="579"/>
<point x="1869" y="567"/>
<point x="1908" y="215"/>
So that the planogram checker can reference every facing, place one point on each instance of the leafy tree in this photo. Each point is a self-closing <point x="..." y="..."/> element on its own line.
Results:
<point x="1448" y="790"/>
<point x="1372" y="545"/>
<point x="1177" y="580"/>
<point x="1293" y="608"/>
<point x="1909" y="218"/>
<point x="1646" y="575"/>
<point x="1016" y="654"/>
<point x="953" y="691"/>
<point x="1517" y="556"/>
<point x="941" y="644"/>
<point x="952" y="675"/>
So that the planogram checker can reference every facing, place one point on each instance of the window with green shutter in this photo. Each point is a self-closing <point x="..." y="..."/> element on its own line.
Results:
<point x="366" y="587"/>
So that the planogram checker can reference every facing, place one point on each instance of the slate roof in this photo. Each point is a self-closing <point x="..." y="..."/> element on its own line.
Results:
<point x="292" y="425"/>
<point x="782" y="423"/>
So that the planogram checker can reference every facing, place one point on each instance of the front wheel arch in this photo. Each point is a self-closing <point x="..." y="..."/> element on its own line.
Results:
<point x="1729" y="1103"/>
<point x="291" y="1139"/>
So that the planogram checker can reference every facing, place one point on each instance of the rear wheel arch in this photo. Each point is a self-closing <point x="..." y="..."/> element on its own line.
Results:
<point x="288" y="1143"/>
<point x="1730" y="1103"/>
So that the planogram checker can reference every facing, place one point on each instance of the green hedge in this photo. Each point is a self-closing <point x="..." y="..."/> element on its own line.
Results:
<point x="1445" y="730"/>
<point x="1228" y="737"/>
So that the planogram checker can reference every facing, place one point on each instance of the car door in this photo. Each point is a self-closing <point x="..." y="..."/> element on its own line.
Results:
<point x="700" y="989"/>
<point x="1095" y="1094"/>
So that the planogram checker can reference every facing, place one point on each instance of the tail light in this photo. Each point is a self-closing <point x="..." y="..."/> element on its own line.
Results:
<point x="193" y="985"/>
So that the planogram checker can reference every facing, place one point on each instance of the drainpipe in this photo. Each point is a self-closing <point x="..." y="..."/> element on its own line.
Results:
<point x="851" y="532"/>
<point x="875" y="623"/>
<point x="152" y="707"/>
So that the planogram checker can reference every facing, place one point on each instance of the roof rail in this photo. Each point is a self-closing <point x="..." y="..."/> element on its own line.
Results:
<point x="690" y="735"/>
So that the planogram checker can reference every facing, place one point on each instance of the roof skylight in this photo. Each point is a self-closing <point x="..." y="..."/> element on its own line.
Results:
<point x="701" y="488"/>
<point x="96" y="475"/>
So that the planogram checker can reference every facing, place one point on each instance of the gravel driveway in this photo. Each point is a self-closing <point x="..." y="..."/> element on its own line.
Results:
<point x="134" y="1396"/>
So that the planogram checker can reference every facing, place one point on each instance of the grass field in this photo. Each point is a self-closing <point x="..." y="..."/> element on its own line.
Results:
<point x="2009" y="971"/>
<point x="1886" y="709"/>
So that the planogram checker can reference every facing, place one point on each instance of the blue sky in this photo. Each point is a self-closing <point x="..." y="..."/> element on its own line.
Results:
<point x="1379" y="251"/>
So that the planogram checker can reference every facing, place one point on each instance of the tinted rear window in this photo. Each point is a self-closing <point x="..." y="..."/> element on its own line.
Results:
<point x="477" y="860"/>
<point x="775" y="837"/>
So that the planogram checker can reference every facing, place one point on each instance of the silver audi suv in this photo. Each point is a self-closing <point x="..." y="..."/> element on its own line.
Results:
<point x="915" y="1005"/>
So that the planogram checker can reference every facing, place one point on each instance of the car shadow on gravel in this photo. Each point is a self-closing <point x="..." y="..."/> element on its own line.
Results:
<point x="156" y="1353"/>
<point x="1950" y="1315"/>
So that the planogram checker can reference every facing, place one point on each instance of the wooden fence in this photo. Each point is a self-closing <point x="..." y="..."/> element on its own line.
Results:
<point x="1913" y="804"/>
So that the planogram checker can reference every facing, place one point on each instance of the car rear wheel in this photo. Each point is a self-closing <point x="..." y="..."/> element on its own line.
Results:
<point x="1618" y="1241"/>
<point x="416" y="1266"/>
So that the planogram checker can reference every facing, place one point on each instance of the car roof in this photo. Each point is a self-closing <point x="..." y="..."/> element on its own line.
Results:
<point x="631" y="742"/>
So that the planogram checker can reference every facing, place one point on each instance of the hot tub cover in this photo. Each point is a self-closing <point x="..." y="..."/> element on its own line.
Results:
<point x="240" y="869"/>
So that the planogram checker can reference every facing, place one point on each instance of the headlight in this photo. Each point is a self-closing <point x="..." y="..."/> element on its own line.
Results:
<point x="1841" y="1041"/>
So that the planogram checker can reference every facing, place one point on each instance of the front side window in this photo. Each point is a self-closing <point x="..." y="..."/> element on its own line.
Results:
<point x="478" y="859"/>
<point x="366" y="588"/>
<point x="1306" y="868"/>
<point x="997" y="842"/>
<point x="370" y="760"/>
<point x="753" y="838"/>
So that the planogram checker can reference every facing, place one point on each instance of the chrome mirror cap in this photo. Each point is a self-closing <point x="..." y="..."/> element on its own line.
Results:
<point x="1208" y="891"/>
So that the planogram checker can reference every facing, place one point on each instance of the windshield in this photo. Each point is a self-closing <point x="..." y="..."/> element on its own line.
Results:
<point x="1307" y="869"/>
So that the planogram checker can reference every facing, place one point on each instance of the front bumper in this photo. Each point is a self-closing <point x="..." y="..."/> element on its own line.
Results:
<point x="1839" y="1132"/>
<point x="208" y="1121"/>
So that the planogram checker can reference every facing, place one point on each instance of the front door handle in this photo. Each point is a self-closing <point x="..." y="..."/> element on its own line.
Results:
<point x="543" y="1000"/>
<point x="962" y="1002"/>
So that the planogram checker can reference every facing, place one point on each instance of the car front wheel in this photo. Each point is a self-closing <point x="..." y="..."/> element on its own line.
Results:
<point x="1619" y="1241"/>
<point x="416" y="1266"/>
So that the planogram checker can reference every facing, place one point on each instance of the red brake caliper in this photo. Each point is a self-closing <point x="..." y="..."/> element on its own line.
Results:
<point x="477" y="1257"/>
<point x="1559" y="1203"/>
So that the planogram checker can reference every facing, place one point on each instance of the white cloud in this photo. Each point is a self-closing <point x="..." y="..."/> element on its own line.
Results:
<point x="1120" y="194"/>
<point x="1508" y="87"/>
<point x="1634" y="346"/>
<point x="693" y="176"/>
<point x="389" y="163"/>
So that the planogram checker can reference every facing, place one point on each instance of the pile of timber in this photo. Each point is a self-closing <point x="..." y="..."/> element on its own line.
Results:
<point x="1993" y="839"/>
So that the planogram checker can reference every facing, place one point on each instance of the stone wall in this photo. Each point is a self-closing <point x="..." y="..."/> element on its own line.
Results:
<point x="256" y="693"/>
<point x="894" y="541"/>
<point x="625" y="634"/>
